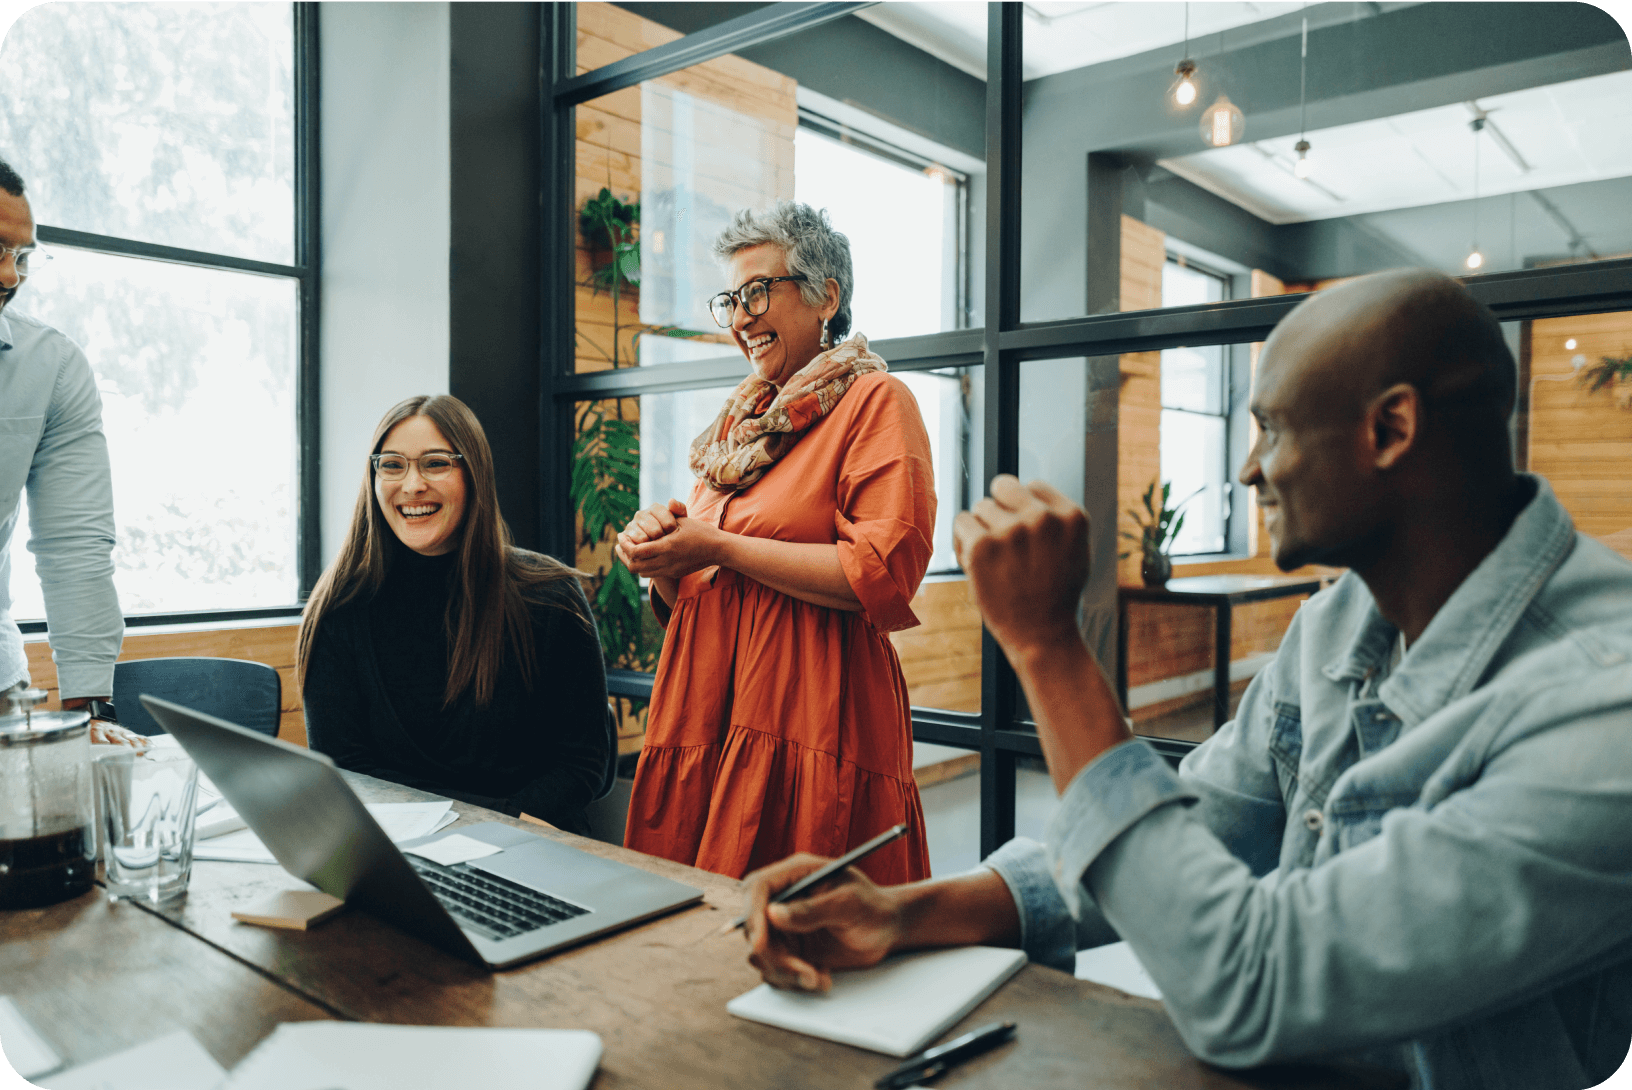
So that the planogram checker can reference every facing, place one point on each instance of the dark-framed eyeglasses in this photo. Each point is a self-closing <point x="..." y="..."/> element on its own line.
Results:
<point x="433" y="466"/>
<point x="755" y="297"/>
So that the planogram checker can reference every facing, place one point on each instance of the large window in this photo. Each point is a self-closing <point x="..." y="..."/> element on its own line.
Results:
<point x="165" y="166"/>
<point x="1195" y="454"/>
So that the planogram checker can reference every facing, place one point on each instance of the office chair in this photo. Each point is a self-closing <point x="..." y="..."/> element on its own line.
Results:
<point x="247" y="693"/>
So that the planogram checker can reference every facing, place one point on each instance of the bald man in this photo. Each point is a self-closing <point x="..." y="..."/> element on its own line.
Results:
<point x="1413" y="845"/>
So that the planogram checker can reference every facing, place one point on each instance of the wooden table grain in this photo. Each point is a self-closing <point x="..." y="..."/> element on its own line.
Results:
<point x="656" y="994"/>
<point x="96" y="978"/>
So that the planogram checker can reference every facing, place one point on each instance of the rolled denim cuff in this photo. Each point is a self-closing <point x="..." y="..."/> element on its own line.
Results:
<point x="1047" y="931"/>
<point x="1113" y="792"/>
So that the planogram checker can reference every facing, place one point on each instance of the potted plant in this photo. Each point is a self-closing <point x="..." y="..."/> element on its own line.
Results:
<point x="1157" y="530"/>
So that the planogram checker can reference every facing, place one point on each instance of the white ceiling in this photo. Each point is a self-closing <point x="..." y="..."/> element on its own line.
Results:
<point x="1564" y="133"/>
<point x="1066" y="35"/>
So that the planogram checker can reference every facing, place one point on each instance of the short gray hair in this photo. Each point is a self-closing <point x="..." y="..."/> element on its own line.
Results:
<point x="812" y="249"/>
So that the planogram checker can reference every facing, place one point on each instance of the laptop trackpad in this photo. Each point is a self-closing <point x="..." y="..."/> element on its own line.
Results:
<point x="543" y="864"/>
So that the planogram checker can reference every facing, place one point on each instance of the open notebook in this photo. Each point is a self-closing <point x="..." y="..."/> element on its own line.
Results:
<point x="897" y="1007"/>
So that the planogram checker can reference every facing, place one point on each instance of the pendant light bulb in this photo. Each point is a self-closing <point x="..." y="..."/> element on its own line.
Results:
<point x="1475" y="258"/>
<point x="1303" y="168"/>
<point x="1184" y="88"/>
<point x="1222" y="123"/>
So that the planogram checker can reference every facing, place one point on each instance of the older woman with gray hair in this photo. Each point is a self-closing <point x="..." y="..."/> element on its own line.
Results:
<point x="779" y="720"/>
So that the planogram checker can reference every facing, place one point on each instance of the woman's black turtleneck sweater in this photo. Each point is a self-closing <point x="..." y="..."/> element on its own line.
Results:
<point x="375" y="684"/>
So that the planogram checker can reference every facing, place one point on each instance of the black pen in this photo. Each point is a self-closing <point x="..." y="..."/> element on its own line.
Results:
<point x="927" y="1065"/>
<point x="822" y="875"/>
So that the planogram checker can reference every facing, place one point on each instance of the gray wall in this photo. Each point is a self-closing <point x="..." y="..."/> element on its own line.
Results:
<point x="384" y="322"/>
<point x="493" y="276"/>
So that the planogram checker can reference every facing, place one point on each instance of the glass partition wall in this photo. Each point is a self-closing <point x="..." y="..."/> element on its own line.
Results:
<point x="1152" y="263"/>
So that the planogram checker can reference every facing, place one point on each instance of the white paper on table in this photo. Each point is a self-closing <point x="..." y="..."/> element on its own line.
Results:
<point x="400" y="820"/>
<point x="365" y="1056"/>
<point x="173" y="1062"/>
<point x="27" y="1052"/>
<point x="454" y="848"/>
<point x="217" y="820"/>
<point x="1116" y="966"/>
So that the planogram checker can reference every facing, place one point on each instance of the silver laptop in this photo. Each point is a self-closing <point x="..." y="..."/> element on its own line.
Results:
<point x="530" y="898"/>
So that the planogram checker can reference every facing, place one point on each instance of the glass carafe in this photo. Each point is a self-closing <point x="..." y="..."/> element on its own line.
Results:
<point x="47" y="850"/>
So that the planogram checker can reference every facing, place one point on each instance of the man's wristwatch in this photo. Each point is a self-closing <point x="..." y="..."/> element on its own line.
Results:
<point x="102" y="709"/>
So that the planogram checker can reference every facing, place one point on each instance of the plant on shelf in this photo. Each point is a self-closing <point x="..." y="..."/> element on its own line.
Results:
<point x="1613" y="373"/>
<point x="605" y="485"/>
<point x="606" y="453"/>
<point x="1157" y="531"/>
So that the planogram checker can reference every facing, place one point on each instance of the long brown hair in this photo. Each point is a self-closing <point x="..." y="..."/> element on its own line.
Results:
<point x="487" y="610"/>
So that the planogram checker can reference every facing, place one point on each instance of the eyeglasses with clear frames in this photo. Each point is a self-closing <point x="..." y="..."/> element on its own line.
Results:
<point x="29" y="258"/>
<point x="433" y="465"/>
<point x="755" y="297"/>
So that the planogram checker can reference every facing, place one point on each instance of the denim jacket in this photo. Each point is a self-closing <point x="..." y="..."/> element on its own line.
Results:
<point x="51" y="443"/>
<point x="1436" y="869"/>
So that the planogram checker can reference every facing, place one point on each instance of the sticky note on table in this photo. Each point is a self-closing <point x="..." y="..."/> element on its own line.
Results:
<point x="454" y="848"/>
<point x="296" y="909"/>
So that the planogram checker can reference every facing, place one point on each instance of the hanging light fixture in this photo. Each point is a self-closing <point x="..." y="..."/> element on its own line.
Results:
<point x="1303" y="168"/>
<point x="1475" y="258"/>
<point x="1183" y="91"/>
<point x="1222" y="123"/>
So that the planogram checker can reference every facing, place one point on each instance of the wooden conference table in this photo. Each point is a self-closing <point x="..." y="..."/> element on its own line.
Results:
<point x="96" y="978"/>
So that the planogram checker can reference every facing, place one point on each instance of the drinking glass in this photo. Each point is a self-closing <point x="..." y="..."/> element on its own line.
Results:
<point x="146" y="813"/>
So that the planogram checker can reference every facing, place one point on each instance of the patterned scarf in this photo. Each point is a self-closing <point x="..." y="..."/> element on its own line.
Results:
<point x="759" y="424"/>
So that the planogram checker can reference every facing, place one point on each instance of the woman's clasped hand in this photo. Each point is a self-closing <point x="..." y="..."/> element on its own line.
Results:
<point x="661" y="542"/>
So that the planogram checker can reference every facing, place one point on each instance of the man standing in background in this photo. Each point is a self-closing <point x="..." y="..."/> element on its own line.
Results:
<point x="51" y="441"/>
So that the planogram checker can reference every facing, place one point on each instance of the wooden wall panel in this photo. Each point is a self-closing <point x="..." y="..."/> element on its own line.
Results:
<point x="1139" y="408"/>
<point x="273" y="645"/>
<point x="941" y="658"/>
<point x="1581" y="442"/>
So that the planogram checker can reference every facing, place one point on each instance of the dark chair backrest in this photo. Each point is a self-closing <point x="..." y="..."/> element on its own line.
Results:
<point x="247" y="693"/>
<point x="610" y="776"/>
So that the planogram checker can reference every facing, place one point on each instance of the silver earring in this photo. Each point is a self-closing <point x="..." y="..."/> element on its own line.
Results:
<point x="826" y="339"/>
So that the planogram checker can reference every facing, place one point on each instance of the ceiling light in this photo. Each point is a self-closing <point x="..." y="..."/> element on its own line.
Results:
<point x="1222" y="123"/>
<point x="1303" y="167"/>
<point x="1569" y="345"/>
<point x="1184" y="88"/>
<point x="1183" y="91"/>
<point x="1475" y="258"/>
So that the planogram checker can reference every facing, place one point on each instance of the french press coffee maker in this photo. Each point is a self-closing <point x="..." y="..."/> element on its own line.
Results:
<point x="47" y="847"/>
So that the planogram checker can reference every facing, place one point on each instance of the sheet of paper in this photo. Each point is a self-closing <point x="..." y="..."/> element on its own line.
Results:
<point x="1116" y="966"/>
<point x="454" y="848"/>
<point x="400" y="820"/>
<point x="363" y="1056"/>
<point x="174" y="1062"/>
<point x="25" y="1049"/>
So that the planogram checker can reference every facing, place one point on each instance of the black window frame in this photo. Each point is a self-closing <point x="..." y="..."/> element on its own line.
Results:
<point x="1231" y="378"/>
<point x="1000" y="732"/>
<point x="305" y="271"/>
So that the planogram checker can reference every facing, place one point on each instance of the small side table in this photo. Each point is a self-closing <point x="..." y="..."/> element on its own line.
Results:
<point x="1223" y="593"/>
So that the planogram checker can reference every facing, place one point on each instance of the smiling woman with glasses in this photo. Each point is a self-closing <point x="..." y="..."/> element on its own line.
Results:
<point x="779" y="719"/>
<point x="433" y="653"/>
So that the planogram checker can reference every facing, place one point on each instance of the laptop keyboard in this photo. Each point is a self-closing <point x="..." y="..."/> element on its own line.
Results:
<point x="490" y="905"/>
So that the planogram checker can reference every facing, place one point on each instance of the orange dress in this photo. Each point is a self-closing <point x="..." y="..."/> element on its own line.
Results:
<point x="778" y="726"/>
